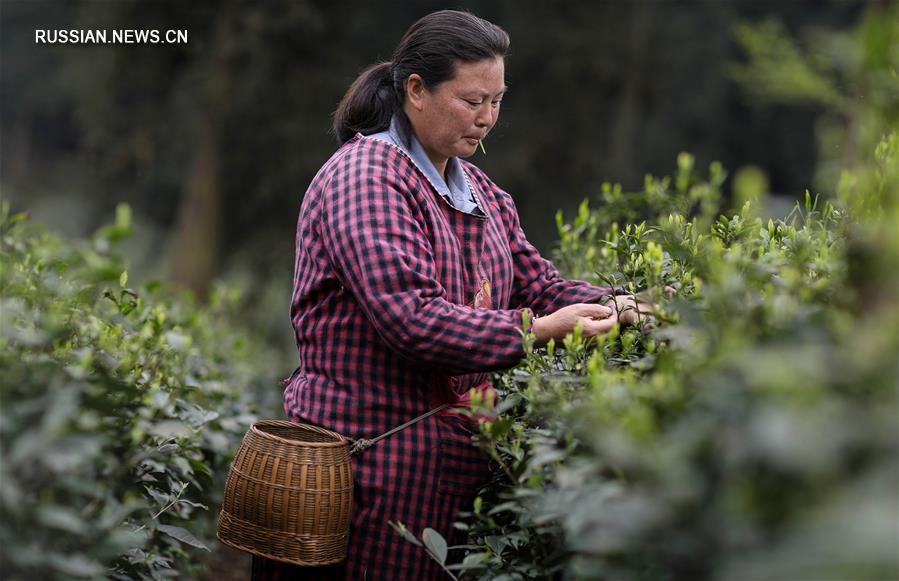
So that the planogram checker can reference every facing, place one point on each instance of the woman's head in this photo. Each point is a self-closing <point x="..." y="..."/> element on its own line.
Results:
<point x="450" y="119"/>
<point x="430" y="53"/>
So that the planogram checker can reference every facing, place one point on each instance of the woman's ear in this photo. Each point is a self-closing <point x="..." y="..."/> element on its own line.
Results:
<point x="415" y="90"/>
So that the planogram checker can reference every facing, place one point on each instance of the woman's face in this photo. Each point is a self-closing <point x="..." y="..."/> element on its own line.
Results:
<point x="450" y="119"/>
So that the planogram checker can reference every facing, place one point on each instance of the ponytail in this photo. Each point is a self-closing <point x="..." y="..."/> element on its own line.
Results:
<point x="368" y="105"/>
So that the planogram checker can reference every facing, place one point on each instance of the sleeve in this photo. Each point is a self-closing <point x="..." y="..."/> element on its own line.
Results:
<point x="376" y="244"/>
<point x="537" y="283"/>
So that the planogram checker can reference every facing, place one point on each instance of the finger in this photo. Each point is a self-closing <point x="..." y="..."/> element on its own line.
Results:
<point x="639" y="313"/>
<point x="601" y="326"/>
<point x="595" y="311"/>
<point x="642" y="308"/>
<point x="606" y="325"/>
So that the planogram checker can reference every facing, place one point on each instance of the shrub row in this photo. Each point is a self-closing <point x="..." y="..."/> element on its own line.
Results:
<point x="120" y="406"/>
<point x="750" y="434"/>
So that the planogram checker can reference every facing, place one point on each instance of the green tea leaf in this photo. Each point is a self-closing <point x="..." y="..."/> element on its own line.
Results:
<point x="183" y="535"/>
<point x="435" y="543"/>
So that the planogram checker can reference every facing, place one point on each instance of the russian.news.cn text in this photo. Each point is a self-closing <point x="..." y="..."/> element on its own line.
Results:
<point x="114" y="36"/>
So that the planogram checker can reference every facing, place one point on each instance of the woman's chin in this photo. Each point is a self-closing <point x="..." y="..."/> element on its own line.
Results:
<point x="467" y="150"/>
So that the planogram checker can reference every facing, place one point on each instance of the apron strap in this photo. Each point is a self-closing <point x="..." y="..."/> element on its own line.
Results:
<point x="363" y="444"/>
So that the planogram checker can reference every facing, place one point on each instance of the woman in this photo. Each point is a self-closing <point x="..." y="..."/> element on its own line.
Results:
<point x="412" y="276"/>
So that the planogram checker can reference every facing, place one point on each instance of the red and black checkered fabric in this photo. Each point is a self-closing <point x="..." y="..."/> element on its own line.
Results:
<point x="386" y="271"/>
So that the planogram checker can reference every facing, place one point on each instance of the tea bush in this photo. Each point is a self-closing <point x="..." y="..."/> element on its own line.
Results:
<point x="119" y="406"/>
<point x="750" y="434"/>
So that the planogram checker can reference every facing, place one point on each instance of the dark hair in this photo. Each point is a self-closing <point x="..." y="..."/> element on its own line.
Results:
<point x="430" y="48"/>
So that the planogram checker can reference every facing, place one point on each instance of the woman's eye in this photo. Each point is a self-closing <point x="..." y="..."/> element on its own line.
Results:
<point x="496" y="103"/>
<point x="473" y="103"/>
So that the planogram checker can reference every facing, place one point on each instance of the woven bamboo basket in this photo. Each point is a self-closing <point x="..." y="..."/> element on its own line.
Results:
<point x="289" y="494"/>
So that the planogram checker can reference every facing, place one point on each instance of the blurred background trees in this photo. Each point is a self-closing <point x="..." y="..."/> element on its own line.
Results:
<point x="214" y="142"/>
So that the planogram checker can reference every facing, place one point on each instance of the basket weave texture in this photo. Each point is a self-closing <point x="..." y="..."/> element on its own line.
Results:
<point x="289" y="494"/>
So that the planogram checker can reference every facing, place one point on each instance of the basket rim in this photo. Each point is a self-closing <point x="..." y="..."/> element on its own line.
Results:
<point x="255" y="428"/>
<point x="225" y="540"/>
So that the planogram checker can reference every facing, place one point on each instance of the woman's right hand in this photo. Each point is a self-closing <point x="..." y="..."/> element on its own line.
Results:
<point x="596" y="320"/>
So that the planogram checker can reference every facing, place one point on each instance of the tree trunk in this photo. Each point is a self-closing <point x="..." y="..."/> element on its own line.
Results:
<point x="626" y="128"/>
<point x="195" y="250"/>
<point x="19" y="153"/>
<point x="196" y="239"/>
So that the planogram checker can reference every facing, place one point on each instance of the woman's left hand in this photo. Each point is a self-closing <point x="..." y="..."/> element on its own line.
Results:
<point x="631" y="312"/>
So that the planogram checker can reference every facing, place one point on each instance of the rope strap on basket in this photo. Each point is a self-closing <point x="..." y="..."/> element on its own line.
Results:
<point x="363" y="444"/>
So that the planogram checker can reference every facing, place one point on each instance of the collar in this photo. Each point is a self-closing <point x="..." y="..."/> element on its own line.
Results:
<point x="456" y="190"/>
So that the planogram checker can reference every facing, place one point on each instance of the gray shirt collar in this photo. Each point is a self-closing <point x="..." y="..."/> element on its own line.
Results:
<point x="456" y="190"/>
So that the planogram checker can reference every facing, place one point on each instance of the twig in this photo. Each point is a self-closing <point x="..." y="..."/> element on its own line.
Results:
<point x="166" y="507"/>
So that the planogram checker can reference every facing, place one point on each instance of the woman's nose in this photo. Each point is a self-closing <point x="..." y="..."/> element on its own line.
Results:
<point x="486" y="116"/>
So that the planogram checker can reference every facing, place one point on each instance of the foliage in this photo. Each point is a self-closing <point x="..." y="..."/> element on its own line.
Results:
<point x="852" y="76"/>
<point x="752" y="435"/>
<point x="594" y="242"/>
<point x="120" y="407"/>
